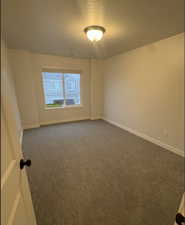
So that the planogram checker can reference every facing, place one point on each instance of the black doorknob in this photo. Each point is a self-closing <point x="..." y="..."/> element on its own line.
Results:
<point x="180" y="219"/>
<point x="25" y="163"/>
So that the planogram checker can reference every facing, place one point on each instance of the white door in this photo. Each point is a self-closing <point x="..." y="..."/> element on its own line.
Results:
<point x="16" y="203"/>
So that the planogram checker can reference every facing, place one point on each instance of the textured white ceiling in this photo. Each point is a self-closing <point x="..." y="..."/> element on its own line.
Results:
<point x="56" y="26"/>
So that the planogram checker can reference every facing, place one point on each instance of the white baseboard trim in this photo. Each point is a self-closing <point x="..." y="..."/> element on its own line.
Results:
<point x="96" y="118"/>
<point x="148" y="138"/>
<point x="63" y="121"/>
<point x="30" y="126"/>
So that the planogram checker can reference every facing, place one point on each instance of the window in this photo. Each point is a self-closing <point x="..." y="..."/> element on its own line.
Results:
<point x="61" y="89"/>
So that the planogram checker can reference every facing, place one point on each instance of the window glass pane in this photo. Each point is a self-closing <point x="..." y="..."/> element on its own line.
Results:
<point x="53" y="89"/>
<point x="72" y="88"/>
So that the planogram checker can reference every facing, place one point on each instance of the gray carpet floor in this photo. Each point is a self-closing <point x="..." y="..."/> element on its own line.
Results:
<point x="93" y="173"/>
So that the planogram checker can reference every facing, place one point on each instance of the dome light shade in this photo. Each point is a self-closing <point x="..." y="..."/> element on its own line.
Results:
<point x="94" y="33"/>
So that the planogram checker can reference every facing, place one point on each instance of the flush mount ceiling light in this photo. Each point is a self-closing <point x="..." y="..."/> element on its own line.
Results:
<point x="94" y="33"/>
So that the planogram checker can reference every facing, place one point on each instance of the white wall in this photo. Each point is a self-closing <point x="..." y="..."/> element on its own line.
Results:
<point x="21" y="66"/>
<point x="27" y="69"/>
<point x="97" y="86"/>
<point x="144" y="91"/>
<point x="8" y="91"/>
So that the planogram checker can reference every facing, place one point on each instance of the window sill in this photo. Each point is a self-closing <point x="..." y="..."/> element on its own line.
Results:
<point x="64" y="107"/>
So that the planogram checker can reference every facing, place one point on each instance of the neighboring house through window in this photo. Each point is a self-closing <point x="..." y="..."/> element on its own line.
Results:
<point x="61" y="89"/>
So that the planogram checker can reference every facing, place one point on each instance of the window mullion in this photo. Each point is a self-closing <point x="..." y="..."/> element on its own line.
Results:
<point x="64" y="94"/>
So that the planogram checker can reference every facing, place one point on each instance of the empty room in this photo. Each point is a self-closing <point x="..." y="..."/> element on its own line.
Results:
<point x="92" y="117"/>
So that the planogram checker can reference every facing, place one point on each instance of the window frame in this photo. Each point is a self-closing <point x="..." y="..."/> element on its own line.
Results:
<point x="59" y="70"/>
